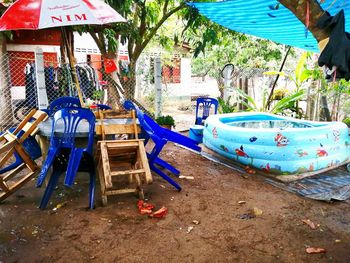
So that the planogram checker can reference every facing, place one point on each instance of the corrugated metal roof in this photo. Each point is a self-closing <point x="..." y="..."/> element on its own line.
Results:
<point x="255" y="17"/>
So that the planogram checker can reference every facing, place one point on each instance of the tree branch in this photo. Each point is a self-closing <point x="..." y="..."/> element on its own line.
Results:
<point x="165" y="7"/>
<point x="99" y="42"/>
<point x="143" y="15"/>
<point x="298" y="8"/>
<point x="139" y="48"/>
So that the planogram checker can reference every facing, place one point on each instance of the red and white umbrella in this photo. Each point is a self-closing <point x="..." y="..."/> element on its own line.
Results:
<point x="39" y="14"/>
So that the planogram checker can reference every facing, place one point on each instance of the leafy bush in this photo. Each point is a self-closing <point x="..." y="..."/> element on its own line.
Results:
<point x="166" y="120"/>
<point x="226" y="106"/>
<point x="347" y="121"/>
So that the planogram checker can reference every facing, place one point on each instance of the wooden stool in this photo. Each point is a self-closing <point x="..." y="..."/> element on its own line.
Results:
<point x="122" y="159"/>
<point x="11" y="143"/>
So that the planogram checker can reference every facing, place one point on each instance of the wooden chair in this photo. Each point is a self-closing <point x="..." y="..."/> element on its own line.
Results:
<point x="12" y="142"/>
<point x="121" y="159"/>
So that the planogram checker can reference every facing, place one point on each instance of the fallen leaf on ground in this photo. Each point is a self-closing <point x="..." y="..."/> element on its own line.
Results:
<point x="196" y="222"/>
<point x="58" y="206"/>
<point x="309" y="223"/>
<point x="249" y="170"/>
<point x="257" y="212"/>
<point x="315" y="250"/>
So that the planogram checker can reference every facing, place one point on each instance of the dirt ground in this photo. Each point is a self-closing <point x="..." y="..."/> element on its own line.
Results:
<point x="226" y="231"/>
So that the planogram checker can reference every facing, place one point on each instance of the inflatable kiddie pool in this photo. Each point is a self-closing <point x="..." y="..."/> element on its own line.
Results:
<point x="276" y="144"/>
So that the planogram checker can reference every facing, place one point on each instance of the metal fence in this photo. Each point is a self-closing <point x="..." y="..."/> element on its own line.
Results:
<point x="18" y="86"/>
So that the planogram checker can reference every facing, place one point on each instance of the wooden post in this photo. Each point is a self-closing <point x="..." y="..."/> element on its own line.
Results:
<point x="40" y="79"/>
<point x="70" y="54"/>
<point x="227" y="74"/>
<point x="158" y="86"/>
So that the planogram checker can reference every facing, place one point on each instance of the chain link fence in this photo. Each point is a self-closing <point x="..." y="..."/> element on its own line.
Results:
<point x="18" y="92"/>
<point x="18" y="84"/>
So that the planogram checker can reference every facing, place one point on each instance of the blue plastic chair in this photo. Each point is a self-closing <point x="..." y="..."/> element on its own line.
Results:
<point x="160" y="136"/>
<point x="62" y="102"/>
<point x="206" y="104"/>
<point x="63" y="154"/>
<point x="103" y="107"/>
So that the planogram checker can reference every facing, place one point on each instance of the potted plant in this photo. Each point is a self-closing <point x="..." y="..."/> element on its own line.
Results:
<point x="166" y="121"/>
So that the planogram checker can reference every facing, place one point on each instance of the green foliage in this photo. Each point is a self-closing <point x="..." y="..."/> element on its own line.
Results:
<point x="165" y="120"/>
<point x="230" y="47"/>
<point x="226" y="106"/>
<point x="279" y="93"/>
<point x="151" y="98"/>
<point x="97" y="95"/>
<point x="342" y="86"/>
<point x="113" y="41"/>
<point x="347" y="121"/>
<point x="287" y="103"/>
<point x="301" y="75"/>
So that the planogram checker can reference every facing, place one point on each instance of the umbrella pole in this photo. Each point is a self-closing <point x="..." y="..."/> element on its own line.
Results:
<point x="72" y="65"/>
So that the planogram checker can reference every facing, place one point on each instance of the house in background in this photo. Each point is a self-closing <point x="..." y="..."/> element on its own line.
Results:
<point x="21" y="52"/>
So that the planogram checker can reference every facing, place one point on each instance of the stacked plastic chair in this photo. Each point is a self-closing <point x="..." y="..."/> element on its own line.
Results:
<point x="64" y="155"/>
<point x="204" y="106"/>
<point x="62" y="102"/>
<point x="103" y="107"/>
<point x="160" y="136"/>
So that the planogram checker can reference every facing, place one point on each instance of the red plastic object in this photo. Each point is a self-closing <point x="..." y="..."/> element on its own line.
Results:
<point x="145" y="208"/>
<point x="161" y="213"/>
<point x="110" y="65"/>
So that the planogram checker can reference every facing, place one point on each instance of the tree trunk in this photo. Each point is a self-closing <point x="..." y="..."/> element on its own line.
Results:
<point x="326" y="115"/>
<point x="221" y="86"/>
<point x="129" y="82"/>
<point x="114" y="88"/>
<point x="299" y="9"/>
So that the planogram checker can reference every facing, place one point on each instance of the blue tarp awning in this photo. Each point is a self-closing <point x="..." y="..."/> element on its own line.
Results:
<point x="255" y="17"/>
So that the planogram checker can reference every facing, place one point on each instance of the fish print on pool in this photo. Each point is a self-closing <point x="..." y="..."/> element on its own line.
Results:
<point x="224" y="148"/>
<point x="253" y="139"/>
<point x="240" y="152"/>
<point x="321" y="152"/>
<point x="281" y="140"/>
<point x="301" y="153"/>
<point x="215" y="133"/>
